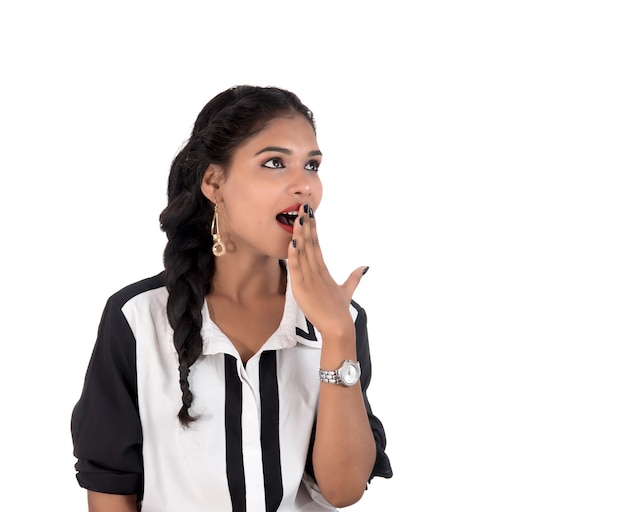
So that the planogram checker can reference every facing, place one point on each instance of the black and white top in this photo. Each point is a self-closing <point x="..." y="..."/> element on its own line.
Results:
<point x="249" y="449"/>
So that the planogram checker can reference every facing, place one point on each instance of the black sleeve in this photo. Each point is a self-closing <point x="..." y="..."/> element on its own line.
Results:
<point x="105" y="424"/>
<point x="382" y="465"/>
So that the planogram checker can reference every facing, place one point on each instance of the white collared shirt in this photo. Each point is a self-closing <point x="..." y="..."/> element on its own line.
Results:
<point x="247" y="451"/>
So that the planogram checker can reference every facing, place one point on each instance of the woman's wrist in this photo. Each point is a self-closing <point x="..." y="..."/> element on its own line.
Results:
<point x="336" y="349"/>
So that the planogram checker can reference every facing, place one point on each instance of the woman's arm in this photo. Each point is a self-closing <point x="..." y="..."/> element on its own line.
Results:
<point x="100" y="502"/>
<point x="105" y="424"/>
<point x="344" y="451"/>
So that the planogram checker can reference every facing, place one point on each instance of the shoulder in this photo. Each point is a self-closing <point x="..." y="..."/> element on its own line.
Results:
<point x="129" y="292"/>
<point x="116" y="340"/>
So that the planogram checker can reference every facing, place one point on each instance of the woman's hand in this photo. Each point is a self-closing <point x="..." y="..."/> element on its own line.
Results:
<point x="324" y="302"/>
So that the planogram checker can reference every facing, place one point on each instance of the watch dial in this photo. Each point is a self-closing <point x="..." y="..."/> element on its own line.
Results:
<point x="349" y="374"/>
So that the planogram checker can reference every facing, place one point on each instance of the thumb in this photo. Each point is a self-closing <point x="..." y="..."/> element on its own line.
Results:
<point x="353" y="280"/>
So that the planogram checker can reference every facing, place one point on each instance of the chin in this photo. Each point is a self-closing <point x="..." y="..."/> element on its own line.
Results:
<point x="282" y="252"/>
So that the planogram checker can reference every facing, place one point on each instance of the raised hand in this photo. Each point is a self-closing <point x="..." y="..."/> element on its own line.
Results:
<point x="324" y="302"/>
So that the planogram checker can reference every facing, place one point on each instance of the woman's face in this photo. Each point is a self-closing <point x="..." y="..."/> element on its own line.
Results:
<point x="270" y="176"/>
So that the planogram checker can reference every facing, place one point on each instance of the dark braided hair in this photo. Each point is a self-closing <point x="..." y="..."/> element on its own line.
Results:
<point x="227" y="121"/>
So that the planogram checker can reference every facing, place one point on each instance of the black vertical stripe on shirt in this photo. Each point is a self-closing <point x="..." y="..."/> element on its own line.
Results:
<point x="270" y="437"/>
<point x="234" y="444"/>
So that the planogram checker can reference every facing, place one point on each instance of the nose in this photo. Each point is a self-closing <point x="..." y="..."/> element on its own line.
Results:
<point x="304" y="191"/>
<point x="301" y="184"/>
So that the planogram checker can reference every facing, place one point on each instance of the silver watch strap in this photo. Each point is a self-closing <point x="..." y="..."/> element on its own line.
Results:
<point x="330" y="376"/>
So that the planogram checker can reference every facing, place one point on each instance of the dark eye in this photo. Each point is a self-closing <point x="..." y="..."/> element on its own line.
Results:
<point x="313" y="165"/>
<point x="274" y="163"/>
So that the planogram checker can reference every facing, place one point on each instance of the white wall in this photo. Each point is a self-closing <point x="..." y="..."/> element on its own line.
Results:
<point x="474" y="158"/>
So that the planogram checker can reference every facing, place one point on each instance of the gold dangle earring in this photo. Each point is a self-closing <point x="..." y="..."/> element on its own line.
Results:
<point x="219" y="249"/>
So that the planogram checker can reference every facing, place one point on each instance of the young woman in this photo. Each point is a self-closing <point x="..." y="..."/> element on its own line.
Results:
<point x="236" y="379"/>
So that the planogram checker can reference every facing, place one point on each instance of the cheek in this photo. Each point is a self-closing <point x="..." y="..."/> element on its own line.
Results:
<point x="238" y="193"/>
<point x="244" y="202"/>
<point x="318" y="192"/>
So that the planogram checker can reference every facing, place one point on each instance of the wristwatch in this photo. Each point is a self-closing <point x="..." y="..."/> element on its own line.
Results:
<point x="347" y="374"/>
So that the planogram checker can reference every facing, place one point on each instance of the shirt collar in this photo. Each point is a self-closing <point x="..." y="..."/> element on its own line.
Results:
<point x="294" y="328"/>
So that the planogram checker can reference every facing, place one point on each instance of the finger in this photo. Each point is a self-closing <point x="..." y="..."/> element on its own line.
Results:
<point x="311" y="250"/>
<point x="353" y="281"/>
<point x="293" y="261"/>
<point x="296" y="246"/>
<point x="295" y="254"/>
<point x="303" y="243"/>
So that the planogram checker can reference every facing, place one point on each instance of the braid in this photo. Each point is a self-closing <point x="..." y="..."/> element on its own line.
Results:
<point x="223" y="124"/>
<point x="188" y="286"/>
<point x="189" y="269"/>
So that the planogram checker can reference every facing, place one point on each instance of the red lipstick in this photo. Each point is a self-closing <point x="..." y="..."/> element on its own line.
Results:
<point x="287" y="217"/>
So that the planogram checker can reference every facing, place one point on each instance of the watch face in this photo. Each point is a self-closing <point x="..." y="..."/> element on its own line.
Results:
<point x="350" y="373"/>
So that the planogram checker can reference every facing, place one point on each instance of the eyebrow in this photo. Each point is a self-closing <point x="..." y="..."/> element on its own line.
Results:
<point x="285" y="151"/>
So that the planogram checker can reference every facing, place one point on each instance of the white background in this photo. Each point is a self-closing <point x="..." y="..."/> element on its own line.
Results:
<point x="474" y="158"/>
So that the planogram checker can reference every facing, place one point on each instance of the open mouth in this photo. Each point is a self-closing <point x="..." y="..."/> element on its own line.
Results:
<point x="287" y="218"/>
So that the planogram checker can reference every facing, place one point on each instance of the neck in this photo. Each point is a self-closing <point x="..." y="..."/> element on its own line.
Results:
<point x="243" y="281"/>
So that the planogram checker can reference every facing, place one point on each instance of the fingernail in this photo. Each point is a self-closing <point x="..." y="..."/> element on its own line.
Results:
<point x="306" y="207"/>
<point x="293" y="242"/>
<point x="364" y="270"/>
<point x="311" y="213"/>
<point x="301" y="220"/>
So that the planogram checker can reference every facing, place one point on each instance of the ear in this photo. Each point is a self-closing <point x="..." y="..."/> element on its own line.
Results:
<point x="211" y="181"/>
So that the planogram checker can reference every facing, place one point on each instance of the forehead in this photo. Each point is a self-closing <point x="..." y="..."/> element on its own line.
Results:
<point x="290" y="132"/>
